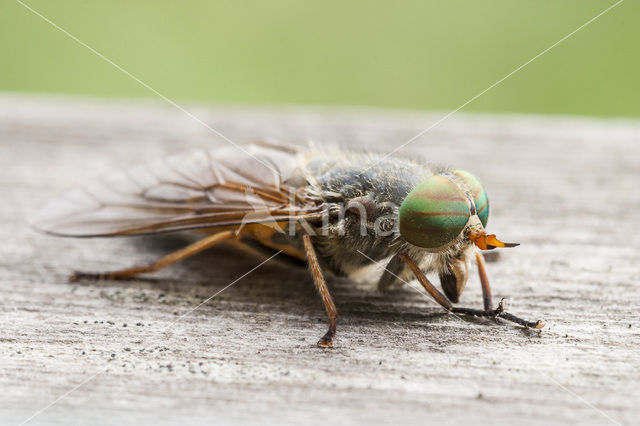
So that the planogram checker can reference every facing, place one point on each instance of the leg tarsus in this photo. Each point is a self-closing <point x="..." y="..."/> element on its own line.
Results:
<point x="327" y="340"/>
<point x="486" y="297"/>
<point x="480" y="313"/>
<point x="527" y="324"/>
<point x="113" y="275"/>
<point x="499" y="312"/>
<point x="163" y="262"/>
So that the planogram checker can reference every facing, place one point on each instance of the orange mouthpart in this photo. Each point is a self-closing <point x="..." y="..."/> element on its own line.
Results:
<point x="488" y="242"/>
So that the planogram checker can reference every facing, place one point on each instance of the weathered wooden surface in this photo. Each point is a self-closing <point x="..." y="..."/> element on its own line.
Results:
<point x="567" y="189"/>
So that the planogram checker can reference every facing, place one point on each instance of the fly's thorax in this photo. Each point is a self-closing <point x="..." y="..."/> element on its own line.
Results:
<point x="366" y="174"/>
<point x="363" y="193"/>
<point x="438" y="214"/>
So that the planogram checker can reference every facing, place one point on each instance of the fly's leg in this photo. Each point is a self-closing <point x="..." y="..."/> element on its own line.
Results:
<point x="484" y="282"/>
<point x="312" y="259"/>
<point x="524" y="323"/>
<point x="391" y="274"/>
<point x="479" y="313"/>
<point x="486" y="298"/>
<point x="441" y="298"/>
<point x="424" y="281"/>
<point x="174" y="257"/>
<point x="445" y="303"/>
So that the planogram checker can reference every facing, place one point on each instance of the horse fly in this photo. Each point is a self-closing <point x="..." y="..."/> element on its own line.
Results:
<point x="332" y="209"/>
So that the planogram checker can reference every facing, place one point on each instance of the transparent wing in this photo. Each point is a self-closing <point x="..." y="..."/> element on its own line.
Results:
<point x="196" y="189"/>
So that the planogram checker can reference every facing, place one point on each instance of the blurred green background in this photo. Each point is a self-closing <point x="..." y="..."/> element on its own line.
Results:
<point x="404" y="54"/>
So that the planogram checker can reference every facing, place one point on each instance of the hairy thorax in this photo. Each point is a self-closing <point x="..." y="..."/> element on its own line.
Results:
<point x="364" y="194"/>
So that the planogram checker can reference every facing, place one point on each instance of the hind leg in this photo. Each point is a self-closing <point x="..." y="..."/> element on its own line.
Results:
<point x="172" y="258"/>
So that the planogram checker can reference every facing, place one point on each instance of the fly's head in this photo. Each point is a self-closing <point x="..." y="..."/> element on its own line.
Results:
<point x="447" y="213"/>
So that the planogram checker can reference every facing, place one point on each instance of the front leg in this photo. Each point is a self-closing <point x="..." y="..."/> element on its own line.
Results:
<point x="484" y="281"/>
<point x="486" y="297"/>
<point x="327" y="340"/>
<point x="441" y="298"/>
<point x="445" y="303"/>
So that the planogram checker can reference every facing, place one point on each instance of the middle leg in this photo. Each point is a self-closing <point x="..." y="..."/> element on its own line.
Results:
<point x="327" y="340"/>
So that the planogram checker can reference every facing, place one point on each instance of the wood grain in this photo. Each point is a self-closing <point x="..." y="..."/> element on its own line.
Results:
<point x="565" y="188"/>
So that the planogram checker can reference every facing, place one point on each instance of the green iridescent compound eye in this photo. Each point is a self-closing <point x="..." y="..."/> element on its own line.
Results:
<point x="478" y="193"/>
<point x="434" y="213"/>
